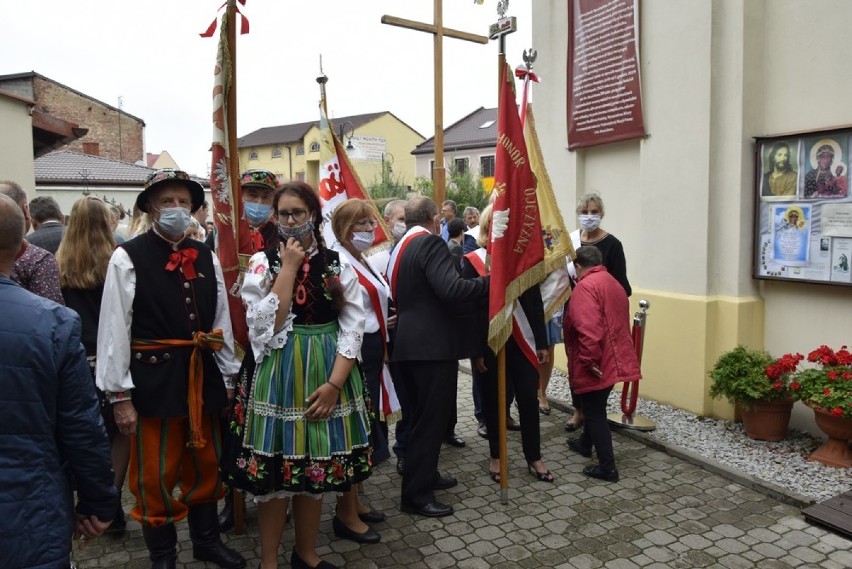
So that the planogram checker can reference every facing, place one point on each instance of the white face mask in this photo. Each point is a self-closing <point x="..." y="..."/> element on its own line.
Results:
<point x="362" y="240"/>
<point x="398" y="230"/>
<point x="590" y="222"/>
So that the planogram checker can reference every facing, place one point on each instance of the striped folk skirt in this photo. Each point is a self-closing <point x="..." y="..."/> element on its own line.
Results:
<point x="270" y="447"/>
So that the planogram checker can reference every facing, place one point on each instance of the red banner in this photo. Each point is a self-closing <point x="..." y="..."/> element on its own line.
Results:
<point x="604" y="88"/>
<point x="515" y="244"/>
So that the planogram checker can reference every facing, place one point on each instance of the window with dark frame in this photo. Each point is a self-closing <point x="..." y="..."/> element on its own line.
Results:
<point x="486" y="166"/>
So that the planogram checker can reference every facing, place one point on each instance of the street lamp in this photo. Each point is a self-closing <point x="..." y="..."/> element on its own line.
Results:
<point x="341" y="134"/>
<point x="387" y="158"/>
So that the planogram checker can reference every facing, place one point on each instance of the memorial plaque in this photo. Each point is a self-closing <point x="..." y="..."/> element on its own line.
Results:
<point x="604" y="94"/>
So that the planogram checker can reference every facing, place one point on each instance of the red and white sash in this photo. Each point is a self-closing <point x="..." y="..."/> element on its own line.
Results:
<point x="521" y="329"/>
<point x="378" y="291"/>
<point x="393" y="264"/>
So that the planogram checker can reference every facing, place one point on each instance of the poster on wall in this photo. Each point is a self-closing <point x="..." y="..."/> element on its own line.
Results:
<point x="779" y="172"/>
<point x="827" y="175"/>
<point x="841" y="257"/>
<point x="604" y="88"/>
<point x="790" y="231"/>
<point x="803" y="207"/>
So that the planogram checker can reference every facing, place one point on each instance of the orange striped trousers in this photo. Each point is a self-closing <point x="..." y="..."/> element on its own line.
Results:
<point x="160" y="460"/>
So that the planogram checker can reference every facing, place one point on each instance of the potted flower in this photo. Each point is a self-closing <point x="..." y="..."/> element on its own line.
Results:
<point x="740" y="375"/>
<point x="826" y="387"/>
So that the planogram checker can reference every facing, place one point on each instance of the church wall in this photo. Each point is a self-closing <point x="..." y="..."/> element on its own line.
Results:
<point x="714" y="75"/>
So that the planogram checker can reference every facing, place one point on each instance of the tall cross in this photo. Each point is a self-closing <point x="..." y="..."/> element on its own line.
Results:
<point x="437" y="28"/>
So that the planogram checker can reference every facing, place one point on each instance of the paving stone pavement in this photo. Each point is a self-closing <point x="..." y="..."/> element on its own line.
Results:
<point x="664" y="513"/>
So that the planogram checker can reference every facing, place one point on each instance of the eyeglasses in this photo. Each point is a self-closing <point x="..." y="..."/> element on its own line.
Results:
<point x="371" y="223"/>
<point x="298" y="215"/>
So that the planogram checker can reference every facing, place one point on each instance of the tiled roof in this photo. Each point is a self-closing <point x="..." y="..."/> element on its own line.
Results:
<point x="68" y="167"/>
<point x="466" y="133"/>
<point x="288" y="133"/>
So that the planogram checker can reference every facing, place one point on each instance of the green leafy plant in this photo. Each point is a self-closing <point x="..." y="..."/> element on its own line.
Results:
<point x="739" y="375"/>
<point x="827" y="384"/>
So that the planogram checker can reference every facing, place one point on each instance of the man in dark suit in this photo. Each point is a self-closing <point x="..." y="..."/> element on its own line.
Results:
<point x="426" y="288"/>
<point x="47" y="222"/>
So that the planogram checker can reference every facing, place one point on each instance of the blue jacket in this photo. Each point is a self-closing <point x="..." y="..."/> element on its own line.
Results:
<point x="50" y="431"/>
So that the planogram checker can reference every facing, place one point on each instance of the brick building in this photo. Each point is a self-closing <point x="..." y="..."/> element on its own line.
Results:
<point x="112" y="133"/>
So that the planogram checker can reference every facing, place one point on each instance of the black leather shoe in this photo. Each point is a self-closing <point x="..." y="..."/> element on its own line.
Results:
<point x="443" y="482"/>
<point x="597" y="472"/>
<point x="400" y="465"/>
<point x="512" y="425"/>
<point x="296" y="562"/>
<point x="571" y="427"/>
<point x="574" y="444"/>
<point x="372" y="517"/>
<point x="430" y="510"/>
<point x="455" y="440"/>
<point x="341" y="530"/>
<point x="220" y="554"/>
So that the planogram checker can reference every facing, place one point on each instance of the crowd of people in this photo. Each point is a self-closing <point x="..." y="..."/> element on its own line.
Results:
<point x="138" y="375"/>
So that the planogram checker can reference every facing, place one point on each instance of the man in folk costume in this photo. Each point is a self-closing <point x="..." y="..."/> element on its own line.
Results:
<point x="166" y="362"/>
<point x="423" y="281"/>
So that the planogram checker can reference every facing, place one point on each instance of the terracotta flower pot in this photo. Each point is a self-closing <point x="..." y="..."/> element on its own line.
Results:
<point x="835" y="451"/>
<point x="767" y="420"/>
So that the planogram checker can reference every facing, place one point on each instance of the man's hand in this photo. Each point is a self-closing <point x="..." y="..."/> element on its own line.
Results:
<point x="478" y="365"/>
<point x="125" y="417"/>
<point x="543" y="356"/>
<point x="88" y="528"/>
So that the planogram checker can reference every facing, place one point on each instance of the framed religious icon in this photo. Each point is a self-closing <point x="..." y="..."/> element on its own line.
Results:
<point x="803" y="207"/>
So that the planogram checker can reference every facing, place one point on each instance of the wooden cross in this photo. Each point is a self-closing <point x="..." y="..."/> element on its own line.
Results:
<point x="439" y="180"/>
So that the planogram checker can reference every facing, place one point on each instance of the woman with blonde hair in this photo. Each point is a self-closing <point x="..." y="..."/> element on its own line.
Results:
<point x="83" y="256"/>
<point x="354" y="223"/>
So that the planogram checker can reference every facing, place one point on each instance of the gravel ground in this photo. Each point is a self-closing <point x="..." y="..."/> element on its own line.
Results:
<point x="781" y="463"/>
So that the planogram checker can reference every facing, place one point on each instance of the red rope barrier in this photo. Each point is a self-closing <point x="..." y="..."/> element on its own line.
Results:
<point x="630" y="390"/>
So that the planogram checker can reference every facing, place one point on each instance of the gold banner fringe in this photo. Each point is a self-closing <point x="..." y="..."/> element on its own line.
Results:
<point x="499" y="329"/>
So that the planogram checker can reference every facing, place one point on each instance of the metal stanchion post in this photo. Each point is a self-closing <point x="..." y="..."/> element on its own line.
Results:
<point x="630" y="391"/>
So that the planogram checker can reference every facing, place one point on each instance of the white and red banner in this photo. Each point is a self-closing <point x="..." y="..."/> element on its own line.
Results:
<point x="339" y="182"/>
<point x="515" y="245"/>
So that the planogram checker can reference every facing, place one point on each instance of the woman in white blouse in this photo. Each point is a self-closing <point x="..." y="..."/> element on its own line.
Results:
<point x="300" y="415"/>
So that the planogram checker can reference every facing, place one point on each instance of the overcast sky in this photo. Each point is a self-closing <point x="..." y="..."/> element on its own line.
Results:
<point x="150" y="54"/>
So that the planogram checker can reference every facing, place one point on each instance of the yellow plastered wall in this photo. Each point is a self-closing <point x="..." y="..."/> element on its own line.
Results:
<point x="684" y="335"/>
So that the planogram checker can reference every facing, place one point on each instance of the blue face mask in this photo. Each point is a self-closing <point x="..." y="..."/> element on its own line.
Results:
<point x="257" y="213"/>
<point x="299" y="231"/>
<point x="174" y="221"/>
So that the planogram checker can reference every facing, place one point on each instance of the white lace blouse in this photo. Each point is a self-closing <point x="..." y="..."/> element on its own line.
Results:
<point x="261" y="305"/>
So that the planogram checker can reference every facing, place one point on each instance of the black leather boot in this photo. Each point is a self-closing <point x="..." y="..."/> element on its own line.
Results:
<point x="226" y="516"/>
<point x="162" y="546"/>
<point x="206" y="543"/>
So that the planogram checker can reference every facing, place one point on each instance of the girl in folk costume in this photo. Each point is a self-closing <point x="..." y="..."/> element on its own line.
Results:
<point x="353" y="224"/>
<point x="299" y="424"/>
<point x="526" y="348"/>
